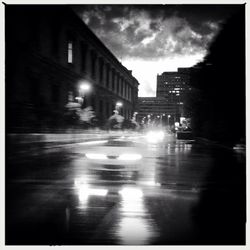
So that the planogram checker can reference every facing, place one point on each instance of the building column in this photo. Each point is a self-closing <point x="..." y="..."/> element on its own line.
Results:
<point x="124" y="89"/>
<point x="116" y="78"/>
<point x="88" y="61"/>
<point x="121" y="86"/>
<point x="97" y="67"/>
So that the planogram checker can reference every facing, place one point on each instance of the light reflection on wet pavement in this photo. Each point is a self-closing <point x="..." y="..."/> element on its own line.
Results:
<point x="179" y="193"/>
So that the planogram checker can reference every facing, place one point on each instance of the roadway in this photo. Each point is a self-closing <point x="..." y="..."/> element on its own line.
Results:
<point x="179" y="193"/>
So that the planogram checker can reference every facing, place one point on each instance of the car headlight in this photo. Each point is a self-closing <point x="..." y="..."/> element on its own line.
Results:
<point x="129" y="157"/>
<point x="93" y="156"/>
<point x="155" y="136"/>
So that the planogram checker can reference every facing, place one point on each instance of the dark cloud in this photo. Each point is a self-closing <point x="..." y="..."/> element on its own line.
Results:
<point x="155" y="31"/>
<point x="154" y="26"/>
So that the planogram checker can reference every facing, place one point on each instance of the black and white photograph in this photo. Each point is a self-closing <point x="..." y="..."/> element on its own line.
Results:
<point x="125" y="124"/>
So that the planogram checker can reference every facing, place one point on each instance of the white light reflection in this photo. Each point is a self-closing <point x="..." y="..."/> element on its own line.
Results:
<point x="183" y="148"/>
<point x="129" y="157"/>
<point x="134" y="227"/>
<point x="93" y="156"/>
<point x="134" y="231"/>
<point x="84" y="191"/>
<point x="93" y="142"/>
<point x="155" y="136"/>
<point x="131" y="193"/>
<point x="151" y="183"/>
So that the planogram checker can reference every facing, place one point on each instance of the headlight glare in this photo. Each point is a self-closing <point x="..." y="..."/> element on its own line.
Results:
<point x="93" y="156"/>
<point x="155" y="136"/>
<point x="129" y="157"/>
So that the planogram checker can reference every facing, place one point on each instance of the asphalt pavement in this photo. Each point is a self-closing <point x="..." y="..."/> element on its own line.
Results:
<point x="178" y="193"/>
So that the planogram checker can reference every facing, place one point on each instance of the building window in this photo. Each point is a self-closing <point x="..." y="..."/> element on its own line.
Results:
<point x="83" y="55"/>
<point x="70" y="51"/>
<point x="113" y="80"/>
<point x="126" y="88"/>
<point x="118" y="84"/>
<point x="107" y="76"/>
<point x="93" y="64"/>
<point x="121" y="87"/>
<point x="101" y="69"/>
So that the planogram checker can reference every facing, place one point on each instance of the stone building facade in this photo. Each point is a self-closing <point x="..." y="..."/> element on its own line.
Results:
<point x="50" y="52"/>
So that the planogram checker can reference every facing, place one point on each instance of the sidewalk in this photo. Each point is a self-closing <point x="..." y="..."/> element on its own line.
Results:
<point x="240" y="148"/>
<point x="34" y="144"/>
<point x="25" y="139"/>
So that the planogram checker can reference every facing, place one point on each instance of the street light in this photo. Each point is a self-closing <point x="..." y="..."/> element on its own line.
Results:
<point x="118" y="105"/>
<point x="83" y="89"/>
<point x="168" y="119"/>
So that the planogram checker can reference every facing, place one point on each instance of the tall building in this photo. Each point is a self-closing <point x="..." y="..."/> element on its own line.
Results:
<point x="50" y="52"/>
<point x="174" y="86"/>
<point x="169" y="103"/>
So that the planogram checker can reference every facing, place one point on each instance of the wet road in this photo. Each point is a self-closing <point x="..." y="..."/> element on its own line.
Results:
<point x="179" y="193"/>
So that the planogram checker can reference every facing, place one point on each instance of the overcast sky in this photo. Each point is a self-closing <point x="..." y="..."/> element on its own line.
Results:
<point x="152" y="39"/>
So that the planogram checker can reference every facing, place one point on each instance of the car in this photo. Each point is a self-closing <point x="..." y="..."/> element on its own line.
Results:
<point x="155" y="136"/>
<point x="115" y="155"/>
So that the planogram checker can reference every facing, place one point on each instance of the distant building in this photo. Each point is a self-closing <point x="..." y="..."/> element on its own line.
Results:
<point x="156" y="108"/>
<point x="174" y="86"/>
<point x="49" y="53"/>
<point x="171" y="93"/>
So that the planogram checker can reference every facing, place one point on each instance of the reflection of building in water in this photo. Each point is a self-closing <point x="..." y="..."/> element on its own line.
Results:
<point x="134" y="226"/>
<point x="50" y="52"/>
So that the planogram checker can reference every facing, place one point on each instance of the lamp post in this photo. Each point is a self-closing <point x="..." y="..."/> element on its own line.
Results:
<point x="162" y="122"/>
<point x="118" y="105"/>
<point x="168" y="121"/>
<point x="83" y="89"/>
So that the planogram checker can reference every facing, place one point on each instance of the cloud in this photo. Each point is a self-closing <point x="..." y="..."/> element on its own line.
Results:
<point x="151" y="39"/>
<point x="142" y="32"/>
<point x="146" y="71"/>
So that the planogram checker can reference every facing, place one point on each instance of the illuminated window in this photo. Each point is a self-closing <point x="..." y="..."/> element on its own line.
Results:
<point x="70" y="52"/>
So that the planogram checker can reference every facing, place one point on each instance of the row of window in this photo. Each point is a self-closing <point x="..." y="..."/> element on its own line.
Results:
<point x="99" y="70"/>
<point x="105" y="108"/>
<point x="79" y="52"/>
